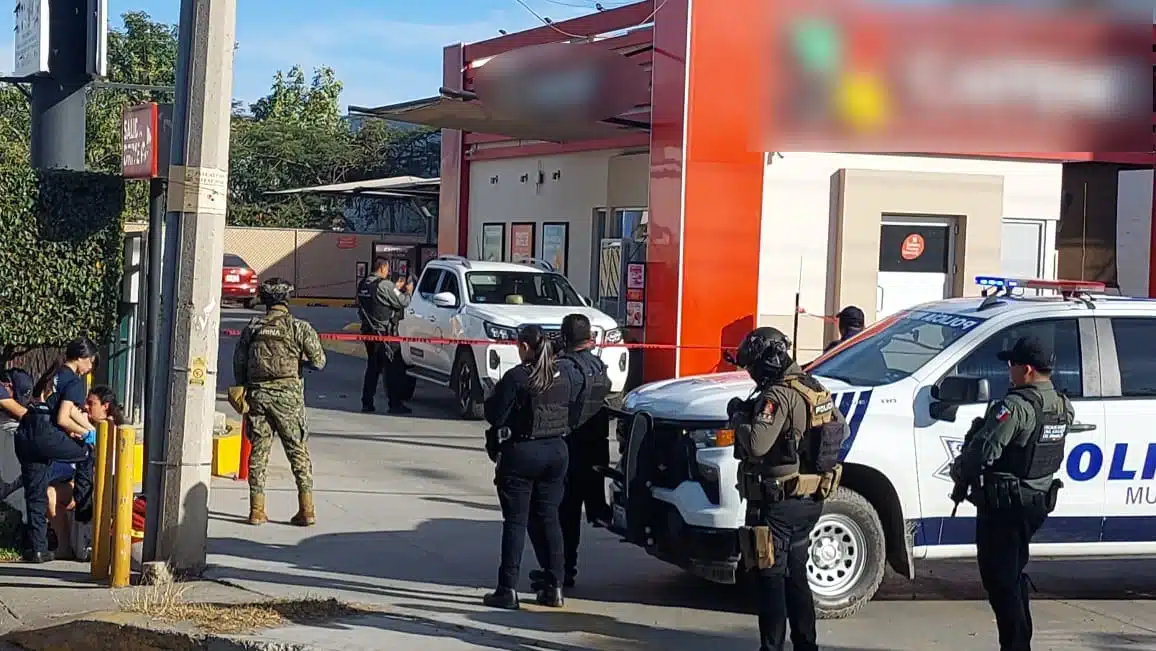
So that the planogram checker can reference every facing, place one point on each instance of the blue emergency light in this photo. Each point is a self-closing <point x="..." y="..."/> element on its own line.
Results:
<point x="1064" y="286"/>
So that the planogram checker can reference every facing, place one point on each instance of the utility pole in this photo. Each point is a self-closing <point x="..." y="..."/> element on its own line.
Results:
<point x="58" y="99"/>
<point x="194" y="247"/>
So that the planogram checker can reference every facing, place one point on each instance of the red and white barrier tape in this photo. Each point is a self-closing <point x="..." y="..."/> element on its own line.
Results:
<point x="349" y="336"/>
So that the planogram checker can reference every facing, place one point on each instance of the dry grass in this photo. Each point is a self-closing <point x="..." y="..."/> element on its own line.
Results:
<point x="168" y="603"/>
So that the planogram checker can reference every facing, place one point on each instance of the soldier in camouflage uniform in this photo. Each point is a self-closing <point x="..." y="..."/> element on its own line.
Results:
<point x="268" y="363"/>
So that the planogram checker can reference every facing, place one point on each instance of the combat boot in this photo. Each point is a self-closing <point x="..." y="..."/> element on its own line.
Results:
<point x="257" y="515"/>
<point x="305" y="516"/>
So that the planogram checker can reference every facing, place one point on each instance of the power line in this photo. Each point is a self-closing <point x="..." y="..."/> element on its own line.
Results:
<point x="549" y="23"/>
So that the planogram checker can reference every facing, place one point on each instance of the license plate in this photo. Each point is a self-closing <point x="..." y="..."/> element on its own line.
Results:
<point x="618" y="517"/>
<point x="232" y="278"/>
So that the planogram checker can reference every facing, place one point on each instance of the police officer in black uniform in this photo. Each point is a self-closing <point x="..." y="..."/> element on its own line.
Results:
<point x="588" y="442"/>
<point x="381" y="303"/>
<point x="1007" y="469"/>
<point x="787" y="439"/>
<point x="851" y="321"/>
<point x="529" y="414"/>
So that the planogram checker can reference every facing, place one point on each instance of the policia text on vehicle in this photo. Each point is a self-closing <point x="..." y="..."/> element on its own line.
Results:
<point x="787" y="439"/>
<point x="1007" y="469"/>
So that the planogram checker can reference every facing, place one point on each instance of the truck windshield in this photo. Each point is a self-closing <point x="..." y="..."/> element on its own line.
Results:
<point x="521" y="288"/>
<point x="894" y="348"/>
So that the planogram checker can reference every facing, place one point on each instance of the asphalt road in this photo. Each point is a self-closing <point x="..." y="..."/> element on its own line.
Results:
<point x="408" y="518"/>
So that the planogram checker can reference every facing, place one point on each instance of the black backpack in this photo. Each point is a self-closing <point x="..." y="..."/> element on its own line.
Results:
<point x="19" y="383"/>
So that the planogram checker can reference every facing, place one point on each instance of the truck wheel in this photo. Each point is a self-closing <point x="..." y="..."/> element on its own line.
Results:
<point x="847" y="558"/>
<point x="465" y="385"/>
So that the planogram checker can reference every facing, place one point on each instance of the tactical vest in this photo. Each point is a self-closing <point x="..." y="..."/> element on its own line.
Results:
<point x="274" y="353"/>
<point x="545" y="415"/>
<point x="822" y="440"/>
<point x="374" y="313"/>
<point x="1043" y="453"/>
<point x="596" y="386"/>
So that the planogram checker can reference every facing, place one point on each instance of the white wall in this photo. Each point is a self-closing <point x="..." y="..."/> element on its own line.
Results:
<point x="797" y="213"/>
<point x="584" y="183"/>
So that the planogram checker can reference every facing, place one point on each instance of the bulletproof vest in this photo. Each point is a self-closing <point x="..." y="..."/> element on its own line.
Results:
<point x="19" y="383"/>
<point x="595" y="388"/>
<point x="822" y="438"/>
<point x="545" y="415"/>
<point x="372" y="310"/>
<point x="1043" y="452"/>
<point x="274" y="353"/>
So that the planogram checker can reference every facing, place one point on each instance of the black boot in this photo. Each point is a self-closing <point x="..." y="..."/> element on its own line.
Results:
<point x="541" y="580"/>
<point x="504" y="598"/>
<point x="568" y="580"/>
<point x="551" y="597"/>
<point x="38" y="557"/>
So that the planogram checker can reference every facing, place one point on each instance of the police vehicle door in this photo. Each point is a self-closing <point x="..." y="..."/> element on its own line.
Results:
<point x="1076" y="374"/>
<point x="1128" y="460"/>
<point x="419" y="320"/>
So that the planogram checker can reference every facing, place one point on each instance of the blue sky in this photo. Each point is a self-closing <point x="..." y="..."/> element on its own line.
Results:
<point x="384" y="51"/>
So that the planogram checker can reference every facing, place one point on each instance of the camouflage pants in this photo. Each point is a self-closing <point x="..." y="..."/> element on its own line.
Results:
<point x="280" y="414"/>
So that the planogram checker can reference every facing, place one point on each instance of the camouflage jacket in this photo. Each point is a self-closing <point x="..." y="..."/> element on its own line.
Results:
<point x="273" y="349"/>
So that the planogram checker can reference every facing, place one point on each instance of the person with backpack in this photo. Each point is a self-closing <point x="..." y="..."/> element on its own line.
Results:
<point x="40" y="445"/>
<point x="588" y="444"/>
<point x="787" y="439"/>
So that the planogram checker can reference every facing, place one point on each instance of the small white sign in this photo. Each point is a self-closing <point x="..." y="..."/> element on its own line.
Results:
<point x="31" y="36"/>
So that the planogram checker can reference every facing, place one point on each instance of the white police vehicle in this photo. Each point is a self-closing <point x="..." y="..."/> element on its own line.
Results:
<point x="673" y="491"/>
<point x="488" y="302"/>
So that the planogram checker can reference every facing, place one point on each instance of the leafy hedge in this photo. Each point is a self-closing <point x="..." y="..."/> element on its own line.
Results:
<point x="61" y="254"/>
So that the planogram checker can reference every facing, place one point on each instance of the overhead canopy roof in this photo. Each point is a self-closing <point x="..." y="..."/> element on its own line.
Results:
<point x="396" y="186"/>
<point x="444" y="112"/>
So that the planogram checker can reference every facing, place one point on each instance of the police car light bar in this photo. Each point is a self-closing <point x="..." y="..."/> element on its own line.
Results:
<point x="1065" y="286"/>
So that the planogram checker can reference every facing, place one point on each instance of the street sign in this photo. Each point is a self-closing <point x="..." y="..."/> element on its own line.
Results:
<point x="31" y="37"/>
<point x="145" y="140"/>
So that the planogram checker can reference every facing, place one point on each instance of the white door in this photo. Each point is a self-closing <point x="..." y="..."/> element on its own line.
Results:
<point x="916" y="258"/>
<point x="445" y="323"/>
<point x="1076" y="519"/>
<point x="1128" y="459"/>
<point x="419" y="320"/>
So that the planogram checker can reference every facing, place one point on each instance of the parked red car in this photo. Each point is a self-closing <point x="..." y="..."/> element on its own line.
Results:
<point x="238" y="281"/>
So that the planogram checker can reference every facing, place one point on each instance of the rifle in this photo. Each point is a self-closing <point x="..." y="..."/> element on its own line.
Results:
<point x="959" y="491"/>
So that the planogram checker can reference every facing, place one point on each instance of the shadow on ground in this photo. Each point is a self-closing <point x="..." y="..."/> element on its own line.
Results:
<point x="457" y="552"/>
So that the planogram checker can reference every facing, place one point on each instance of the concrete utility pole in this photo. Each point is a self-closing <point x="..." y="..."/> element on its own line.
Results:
<point x="194" y="247"/>
<point x="58" y="99"/>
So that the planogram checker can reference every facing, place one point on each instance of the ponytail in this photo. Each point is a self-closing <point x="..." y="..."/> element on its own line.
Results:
<point x="542" y="365"/>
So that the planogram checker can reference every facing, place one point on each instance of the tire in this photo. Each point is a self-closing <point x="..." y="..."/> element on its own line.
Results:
<point x="249" y="303"/>
<point x="464" y="381"/>
<point x="847" y="558"/>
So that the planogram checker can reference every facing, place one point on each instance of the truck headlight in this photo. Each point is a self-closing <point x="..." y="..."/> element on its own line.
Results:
<point x="612" y="336"/>
<point x="712" y="438"/>
<point x="500" y="333"/>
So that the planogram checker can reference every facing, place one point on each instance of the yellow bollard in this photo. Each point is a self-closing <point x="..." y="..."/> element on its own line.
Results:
<point x="122" y="516"/>
<point x="102" y="501"/>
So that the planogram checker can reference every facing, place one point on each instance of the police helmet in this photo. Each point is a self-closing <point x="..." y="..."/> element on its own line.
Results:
<point x="275" y="291"/>
<point x="765" y="353"/>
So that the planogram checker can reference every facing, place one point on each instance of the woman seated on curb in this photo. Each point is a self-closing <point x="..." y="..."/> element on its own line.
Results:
<point x="100" y="407"/>
<point x="39" y="444"/>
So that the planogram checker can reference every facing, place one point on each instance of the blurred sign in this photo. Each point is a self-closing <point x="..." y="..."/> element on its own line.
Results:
<point x="347" y="242"/>
<point x="849" y="75"/>
<point x="145" y="137"/>
<point x="31" y="37"/>
<point x="561" y="82"/>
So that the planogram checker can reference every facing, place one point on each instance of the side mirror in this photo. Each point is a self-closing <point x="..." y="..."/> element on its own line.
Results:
<point x="961" y="390"/>
<point x="444" y="299"/>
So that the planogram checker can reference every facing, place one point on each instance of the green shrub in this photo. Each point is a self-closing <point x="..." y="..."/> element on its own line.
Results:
<point x="61" y="255"/>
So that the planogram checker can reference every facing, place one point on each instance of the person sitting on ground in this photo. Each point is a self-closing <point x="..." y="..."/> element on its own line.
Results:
<point x="40" y="443"/>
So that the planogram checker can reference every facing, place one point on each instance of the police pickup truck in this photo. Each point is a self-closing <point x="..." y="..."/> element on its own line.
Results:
<point x="673" y="490"/>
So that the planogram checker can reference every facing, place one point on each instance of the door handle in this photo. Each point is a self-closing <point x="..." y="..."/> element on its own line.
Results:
<point x="433" y="319"/>
<point x="1081" y="427"/>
